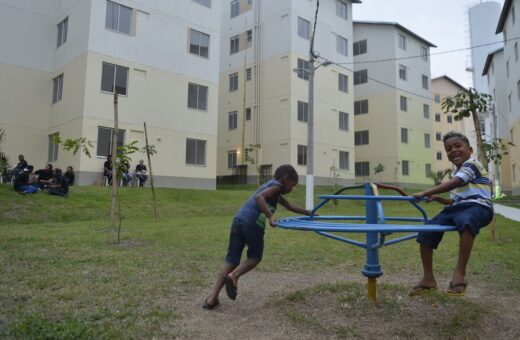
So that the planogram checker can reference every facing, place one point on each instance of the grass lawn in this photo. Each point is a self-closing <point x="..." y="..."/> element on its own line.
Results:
<point x="61" y="278"/>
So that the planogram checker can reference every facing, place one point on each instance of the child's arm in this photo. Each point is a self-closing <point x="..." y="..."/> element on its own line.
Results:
<point x="262" y="204"/>
<point x="439" y="189"/>
<point x="442" y="200"/>
<point x="287" y="205"/>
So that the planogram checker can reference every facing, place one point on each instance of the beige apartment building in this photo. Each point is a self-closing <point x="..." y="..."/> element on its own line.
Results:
<point x="392" y="108"/>
<point x="264" y="88"/>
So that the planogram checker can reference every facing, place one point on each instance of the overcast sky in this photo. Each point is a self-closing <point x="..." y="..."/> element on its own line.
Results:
<point x="441" y="22"/>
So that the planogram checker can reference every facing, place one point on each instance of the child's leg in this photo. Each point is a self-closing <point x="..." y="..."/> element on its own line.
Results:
<point x="243" y="268"/>
<point x="465" y="246"/>
<point x="219" y="283"/>
<point x="428" y="278"/>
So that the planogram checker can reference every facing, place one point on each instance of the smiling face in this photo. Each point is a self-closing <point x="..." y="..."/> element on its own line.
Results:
<point x="457" y="150"/>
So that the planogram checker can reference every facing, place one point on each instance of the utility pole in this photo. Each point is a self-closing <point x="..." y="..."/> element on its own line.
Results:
<point x="309" y="179"/>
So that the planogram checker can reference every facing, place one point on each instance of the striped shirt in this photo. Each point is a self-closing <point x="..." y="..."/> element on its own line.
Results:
<point x="475" y="185"/>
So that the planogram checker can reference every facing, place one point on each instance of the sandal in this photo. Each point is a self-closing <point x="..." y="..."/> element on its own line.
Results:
<point x="231" y="289"/>
<point x="207" y="305"/>
<point x="453" y="288"/>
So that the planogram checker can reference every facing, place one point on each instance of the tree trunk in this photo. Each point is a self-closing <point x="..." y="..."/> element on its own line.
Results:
<point x="476" y="123"/>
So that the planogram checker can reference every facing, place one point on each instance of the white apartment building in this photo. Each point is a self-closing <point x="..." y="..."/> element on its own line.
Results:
<point x="62" y="60"/>
<point x="393" y="98"/>
<point x="264" y="89"/>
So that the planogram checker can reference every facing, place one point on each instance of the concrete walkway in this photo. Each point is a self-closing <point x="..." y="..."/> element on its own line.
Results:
<point x="507" y="212"/>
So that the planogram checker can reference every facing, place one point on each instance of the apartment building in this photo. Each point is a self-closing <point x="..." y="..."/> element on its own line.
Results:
<point x="264" y="88"/>
<point x="63" y="60"/>
<point x="392" y="108"/>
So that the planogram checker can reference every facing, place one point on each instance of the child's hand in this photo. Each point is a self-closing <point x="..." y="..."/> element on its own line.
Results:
<point x="418" y="195"/>
<point x="272" y="221"/>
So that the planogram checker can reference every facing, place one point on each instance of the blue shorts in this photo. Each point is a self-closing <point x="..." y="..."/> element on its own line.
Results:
<point x="472" y="216"/>
<point x="243" y="234"/>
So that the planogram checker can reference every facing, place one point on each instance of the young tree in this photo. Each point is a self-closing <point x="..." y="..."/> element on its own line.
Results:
<point x="4" y="160"/>
<point x="438" y="176"/>
<point x="378" y="170"/>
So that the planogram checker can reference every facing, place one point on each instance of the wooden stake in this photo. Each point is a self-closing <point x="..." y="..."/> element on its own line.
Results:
<point x="154" y="199"/>
<point x="114" y="170"/>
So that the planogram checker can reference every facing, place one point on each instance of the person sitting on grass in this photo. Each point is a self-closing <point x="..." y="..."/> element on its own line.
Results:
<point x="248" y="228"/>
<point x="22" y="183"/>
<point x="60" y="186"/>
<point x="469" y="209"/>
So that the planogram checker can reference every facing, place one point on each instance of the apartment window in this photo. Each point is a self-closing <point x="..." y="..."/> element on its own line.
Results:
<point x="507" y="70"/>
<point x="402" y="72"/>
<point x="344" y="160"/>
<point x="302" y="154"/>
<point x="513" y="173"/>
<point x="509" y="105"/>
<point x="404" y="135"/>
<point x="104" y="141"/>
<point x="303" y="111"/>
<point x="197" y="97"/>
<point x="114" y="78"/>
<point x="248" y="74"/>
<point x="513" y="14"/>
<point x="341" y="45"/>
<point x="360" y="77"/>
<point x="303" y="28"/>
<point x="233" y="45"/>
<point x="343" y="82"/>
<point x="303" y="69"/>
<point x="516" y="51"/>
<point x="341" y="9"/>
<point x="52" y="155"/>
<point x="57" y="88"/>
<point x="235" y="8"/>
<point x="427" y="143"/>
<point x="439" y="156"/>
<point x="405" y="168"/>
<point x="62" y="32"/>
<point x="427" y="169"/>
<point x="437" y="117"/>
<point x="360" y="47"/>
<point x="232" y="120"/>
<point x="425" y="84"/>
<point x="195" y="151"/>
<point x="118" y="18"/>
<point x="361" y="137"/>
<point x="206" y="3"/>
<point x="249" y="35"/>
<point x="518" y="89"/>
<point x="426" y="111"/>
<point x="438" y="136"/>
<point x="404" y="103"/>
<point x="233" y="82"/>
<point x="402" y="41"/>
<point x="361" y="107"/>
<point x="424" y="53"/>
<point x="248" y="113"/>
<point x="232" y="159"/>
<point x="343" y="121"/>
<point x="450" y="119"/>
<point x="362" y="169"/>
<point x="199" y="43"/>
<point x="437" y="98"/>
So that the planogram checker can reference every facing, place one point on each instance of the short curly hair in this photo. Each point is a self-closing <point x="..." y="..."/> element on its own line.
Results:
<point x="286" y="171"/>
<point x="454" y="134"/>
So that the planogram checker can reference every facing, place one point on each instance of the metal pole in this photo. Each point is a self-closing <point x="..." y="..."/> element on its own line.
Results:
<point x="309" y="179"/>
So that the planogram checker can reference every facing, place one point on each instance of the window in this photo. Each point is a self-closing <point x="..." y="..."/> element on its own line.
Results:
<point x="303" y="69"/>
<point x="197" y="97"/>
<point x="450" y="119"/>
<point x="360" y="47"/>
<point x="343" y="121"/>
<point x="302" y="154"/>
<point x="303" y="28"/>
<point x="361" y="137"/>
<point x="233" y="45"/>
<point x="235" y="8"/>
<point x="425" y="84"/>
<point x="199" y="43"/>
<point x="232" y="159"/>
<point x="248" y="113"/>
<point x="195" y="151"/>
<point x="509" y="102"/>
<point x="513" y="172"/>
<point x="343" y="83"/>
<point x="232" y="120"/>
<point x="104" y="142"/>
<point x="437" y="98"/>
<point x="402" y="41"/>
<point x="427" y="169"/>
<point x="404" y="103"/>
<point x="402" y="72"/>
<point x="507" y="70"/>
<point x="516" y="51"/>
<point x="404" y="135"/>
<point x="206" y="3"/>
<point x="249" y="35"/>
<point x="52" y="156"/>
<point x="118" y="18"/>
<point x="360" y="77"/>
<point x="341" y="9"/>
<point x="362" y="169"/>
<point x="437" y="117"/>
<point x="303" y="111"/>
<point x="405" y="168"/>
<point x="114" y="78"/>
<point x="248" y="74"/>
<point x="233" y="82"/>
<point x="341" y="45"/>
<point x="439" y="156"/>
<point x="424" y="53"/>
<point x="361" y="107"/>
<point x="518" y="89"/>
<point x="438" y="136"/>
<point x="343" y="160"/>
<point x="62" y="32"/>
<point x="427" y="143"/>
<point x="57" y="88"/>
<point x="426" y="111"/>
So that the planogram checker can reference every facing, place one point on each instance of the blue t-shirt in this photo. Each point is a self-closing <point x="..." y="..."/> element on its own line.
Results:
<point x="475" y="187"/>
<point x="250" y="212"/>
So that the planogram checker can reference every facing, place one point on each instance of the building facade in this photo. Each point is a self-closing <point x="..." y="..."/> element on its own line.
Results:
<point x="71" y="56"/>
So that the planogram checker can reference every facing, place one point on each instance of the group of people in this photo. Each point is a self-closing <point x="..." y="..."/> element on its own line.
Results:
<point x="54" y="181"/>
<point x="141" y="172"/>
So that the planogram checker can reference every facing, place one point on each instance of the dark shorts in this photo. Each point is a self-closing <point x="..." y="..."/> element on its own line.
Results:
<point x="472" y="216"/>
<point x="243" y="234"/>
